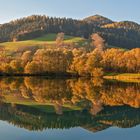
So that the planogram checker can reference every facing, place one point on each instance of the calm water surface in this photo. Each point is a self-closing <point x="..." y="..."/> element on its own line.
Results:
<point x="65" y="109"/>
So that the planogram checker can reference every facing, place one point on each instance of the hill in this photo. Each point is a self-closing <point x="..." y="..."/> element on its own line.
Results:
<point x="98" y="20"/>
<point x="124" y="24"/>
<point x="123" y="34"/>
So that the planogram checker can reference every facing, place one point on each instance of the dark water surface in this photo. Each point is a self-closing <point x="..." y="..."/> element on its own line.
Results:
<point x="69" y="109"/>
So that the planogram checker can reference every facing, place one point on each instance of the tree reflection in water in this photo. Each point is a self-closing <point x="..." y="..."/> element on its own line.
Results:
<point x="94" y="104"/>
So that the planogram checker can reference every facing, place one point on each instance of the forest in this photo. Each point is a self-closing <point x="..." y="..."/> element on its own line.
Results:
<point x="123" y="34"/>
<point x="93" y="60"/>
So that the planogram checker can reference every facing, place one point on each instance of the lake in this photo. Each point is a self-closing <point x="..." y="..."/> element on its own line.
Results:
<point x="40" y="108"/>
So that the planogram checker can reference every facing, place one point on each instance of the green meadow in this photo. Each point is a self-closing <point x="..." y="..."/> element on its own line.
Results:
<point x="46" y="40"/>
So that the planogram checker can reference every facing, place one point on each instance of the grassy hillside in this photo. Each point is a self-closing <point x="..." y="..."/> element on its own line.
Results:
<point x="48" y="39"/>
<point x="125" y="34"/>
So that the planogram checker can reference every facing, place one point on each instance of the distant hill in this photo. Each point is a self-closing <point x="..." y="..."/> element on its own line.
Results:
<point x="98" y="20"/>
<point x="124" y="24"/>
<point x="125" y="34"/>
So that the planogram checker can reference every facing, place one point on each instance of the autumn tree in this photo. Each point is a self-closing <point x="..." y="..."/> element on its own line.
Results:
<point x="97" y="72"/>
<point x="6" y="68"/>
<point x="26" y="57"/>
<point x="79" y="65"/>
<point x="53" y="60"/>
<point x="16" y="66"/>
<point x="93" y="61"/>
<point x="32" y="68"/>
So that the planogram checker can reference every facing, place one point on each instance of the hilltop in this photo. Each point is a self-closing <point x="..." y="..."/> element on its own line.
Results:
<point x="98" y="20"/>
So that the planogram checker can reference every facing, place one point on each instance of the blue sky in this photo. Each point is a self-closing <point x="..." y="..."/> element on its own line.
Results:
<point x="117" y="10"/>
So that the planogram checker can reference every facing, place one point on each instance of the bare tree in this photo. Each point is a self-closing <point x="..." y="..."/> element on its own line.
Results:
<point x="60" y="39"/>
<point x="98" y="42"/>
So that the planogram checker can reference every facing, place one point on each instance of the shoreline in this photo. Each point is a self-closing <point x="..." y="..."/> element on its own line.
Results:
<point x="49" y="75"/>
<point x="110" y="76"/>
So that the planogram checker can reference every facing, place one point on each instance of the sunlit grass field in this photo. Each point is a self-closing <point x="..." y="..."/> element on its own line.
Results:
<point x="48" y="39"/>
<point x="125" y="77"/>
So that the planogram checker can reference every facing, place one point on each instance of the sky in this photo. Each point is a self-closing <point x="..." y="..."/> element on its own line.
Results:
<point x="117" y="10"/>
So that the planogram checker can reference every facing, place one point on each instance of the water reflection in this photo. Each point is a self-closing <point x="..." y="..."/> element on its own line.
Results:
<point x="93" y="104"/>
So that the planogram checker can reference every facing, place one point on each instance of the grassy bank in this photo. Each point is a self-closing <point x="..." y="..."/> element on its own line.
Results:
<point x="127" y="77"/>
